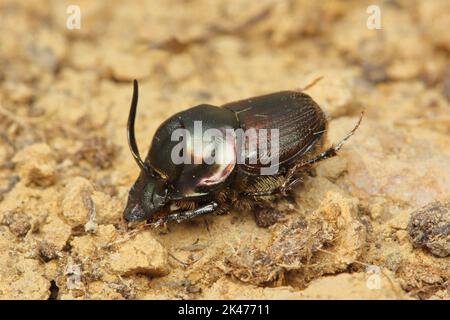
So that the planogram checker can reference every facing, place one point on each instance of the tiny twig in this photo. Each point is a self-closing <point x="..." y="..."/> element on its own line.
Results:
<point x="91" y="225"/>
<point x="311" y="84"/>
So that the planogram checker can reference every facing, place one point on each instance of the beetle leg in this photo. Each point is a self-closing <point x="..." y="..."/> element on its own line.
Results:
<point x="286" y="186"/>
<point x="329" y="153"/>
<point x="189" y="214"/>
<point x="332" y="151"/>
<point x="290" y="181"/>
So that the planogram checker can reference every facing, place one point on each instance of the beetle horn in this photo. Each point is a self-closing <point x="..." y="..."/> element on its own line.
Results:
<point x="130" y="128"/>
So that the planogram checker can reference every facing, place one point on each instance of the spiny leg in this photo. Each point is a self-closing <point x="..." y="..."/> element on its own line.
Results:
<point x="189" y="214"/>
<point x="332" y="151"/>
<point x="291" y="181"/>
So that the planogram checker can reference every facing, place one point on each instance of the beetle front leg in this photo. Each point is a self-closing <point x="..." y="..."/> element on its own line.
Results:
<point x="187" y="215"/>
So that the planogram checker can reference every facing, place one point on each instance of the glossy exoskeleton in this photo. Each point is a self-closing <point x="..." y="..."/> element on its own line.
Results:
<point x="165" y="191"/>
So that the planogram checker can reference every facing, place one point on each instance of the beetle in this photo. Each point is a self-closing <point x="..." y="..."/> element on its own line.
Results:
<point x="168" y="191"/>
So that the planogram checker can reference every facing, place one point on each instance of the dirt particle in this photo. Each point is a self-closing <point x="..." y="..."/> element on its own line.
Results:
<point x="325" y="241"/>
<point x="74" y="206"/>
<point x="393" y="261"/>
<point x="18" y="223"/>
<point x="265" y="217"/>
<point x="22" y="278"/>
<point x="251" y="265"/>
<point x="108" y="209"/>
<point x="36" y="165"/>
<point x="430" y="227"/>
<point x="423" y="279"/>
<point x="98" y="152"/>
<point x="141" y="255"/>
<point x="56" y="233"/>
<point x="48" y="251"/>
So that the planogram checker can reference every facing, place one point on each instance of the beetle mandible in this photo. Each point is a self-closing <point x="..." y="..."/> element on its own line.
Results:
<point x="168" y="191"/>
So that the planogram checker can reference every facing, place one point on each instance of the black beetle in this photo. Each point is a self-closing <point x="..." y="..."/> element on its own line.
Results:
<point x="199" y="188"/>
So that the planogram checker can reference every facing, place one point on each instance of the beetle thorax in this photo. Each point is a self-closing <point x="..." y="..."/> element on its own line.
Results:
<point x="195" y="151"/>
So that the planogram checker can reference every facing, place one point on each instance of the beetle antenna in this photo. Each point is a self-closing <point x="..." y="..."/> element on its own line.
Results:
<point x="130" y="128"/>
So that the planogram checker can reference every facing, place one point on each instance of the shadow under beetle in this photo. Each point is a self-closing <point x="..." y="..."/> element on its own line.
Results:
<point x="165" y="191"/>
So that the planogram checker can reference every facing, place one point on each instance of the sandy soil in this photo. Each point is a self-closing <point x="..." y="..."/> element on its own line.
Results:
<point x="373" y="223"/>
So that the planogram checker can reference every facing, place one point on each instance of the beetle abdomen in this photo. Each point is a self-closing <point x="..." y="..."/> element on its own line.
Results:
<point x="300" y="121"/>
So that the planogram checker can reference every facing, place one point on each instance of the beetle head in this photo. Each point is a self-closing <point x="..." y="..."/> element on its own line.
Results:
<point x="162" y="179"/>
<point x="148" y="194"/>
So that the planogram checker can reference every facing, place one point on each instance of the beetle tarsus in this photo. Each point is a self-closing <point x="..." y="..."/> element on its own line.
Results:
<point x="187" y="215"/>
<point x="352" y="132"/>
<point x="332" y="151"/>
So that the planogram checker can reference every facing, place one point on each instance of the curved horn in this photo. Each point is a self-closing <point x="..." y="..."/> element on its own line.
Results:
<point x="130" y="128"/>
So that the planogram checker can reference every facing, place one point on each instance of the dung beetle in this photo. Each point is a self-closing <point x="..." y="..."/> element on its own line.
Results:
<point x="169" y="190"/>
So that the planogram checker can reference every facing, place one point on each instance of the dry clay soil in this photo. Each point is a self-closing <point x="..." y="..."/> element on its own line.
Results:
<point x="371" y="223"/>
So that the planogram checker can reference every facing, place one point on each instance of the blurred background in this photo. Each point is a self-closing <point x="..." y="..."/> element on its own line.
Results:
<point x="65" y="170"/>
